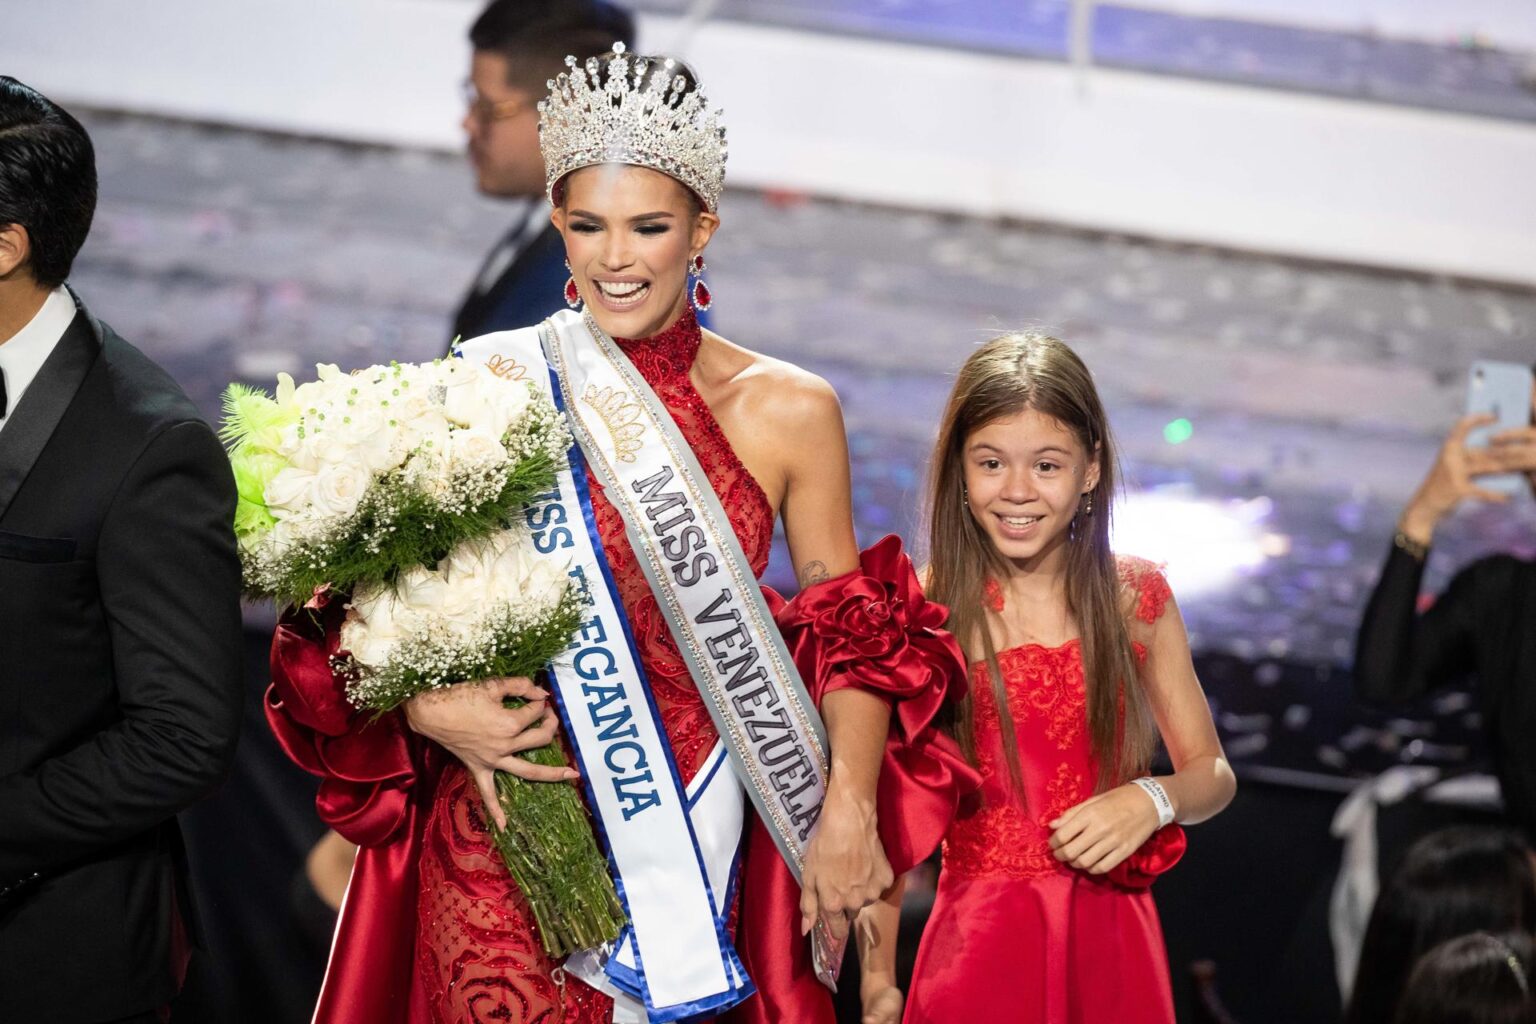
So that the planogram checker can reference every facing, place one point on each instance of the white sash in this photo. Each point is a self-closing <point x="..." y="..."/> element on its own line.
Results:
<point x="701" y="578"/>
<point x="672" y="851"/>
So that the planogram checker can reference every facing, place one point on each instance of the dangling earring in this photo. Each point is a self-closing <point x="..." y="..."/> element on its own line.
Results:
<point x="701" y="296"/>
<point x="572" y="294"/>
<point x="965" y="496"/>
<point x="1083" y="509"/>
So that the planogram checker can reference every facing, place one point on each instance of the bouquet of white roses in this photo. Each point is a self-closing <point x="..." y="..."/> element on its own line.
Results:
<point x="350" y="477"/>
<point x="400" y="485"/>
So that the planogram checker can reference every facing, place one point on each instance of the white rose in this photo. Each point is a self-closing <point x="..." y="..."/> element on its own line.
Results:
<point x="291" y="447"/>
<point x="464" y="399"/>
<point x="522" y="575"/>
<point x="369" y="439"/>
<point x="373" y="627"/>
<point x="475" y="449"/>
<point x="511" y="400"/>
<point x="338" y="489"/>
<point x="324" y="445"/>
<point x="288" y="491"/>
<point x="421" y="590"/>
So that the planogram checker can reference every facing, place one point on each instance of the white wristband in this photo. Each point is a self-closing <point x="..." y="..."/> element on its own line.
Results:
<point x="1159" y="795"/>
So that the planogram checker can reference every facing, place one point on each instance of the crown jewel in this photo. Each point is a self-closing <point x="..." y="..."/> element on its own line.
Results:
<point x="622" y="116"/>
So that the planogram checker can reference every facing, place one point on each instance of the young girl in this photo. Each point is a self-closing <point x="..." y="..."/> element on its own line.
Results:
<point x="1079" y="660"/>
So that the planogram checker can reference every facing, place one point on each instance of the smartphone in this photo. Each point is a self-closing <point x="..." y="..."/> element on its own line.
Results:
<point x="1502" y="390"/>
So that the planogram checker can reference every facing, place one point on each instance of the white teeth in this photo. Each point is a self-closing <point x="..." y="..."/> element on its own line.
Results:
<point x="1019" y="522"/>
<point x="617" y="290"/>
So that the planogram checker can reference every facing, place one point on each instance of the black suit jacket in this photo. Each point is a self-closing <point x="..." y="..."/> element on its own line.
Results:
<point x="120" y="689"/>
<point x="529" y="290"/>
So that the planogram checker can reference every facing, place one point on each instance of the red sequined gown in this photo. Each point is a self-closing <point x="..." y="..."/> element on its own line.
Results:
<point x="1017" y="937"/>
<point x="434" y="931"/>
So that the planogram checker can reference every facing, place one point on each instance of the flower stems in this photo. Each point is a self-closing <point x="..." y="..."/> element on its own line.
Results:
<point x="549" y="847"/>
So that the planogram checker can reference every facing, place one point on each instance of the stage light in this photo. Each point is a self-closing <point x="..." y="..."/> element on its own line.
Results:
<point x="1178" y="431"/>
<point x="1205" y="543"/>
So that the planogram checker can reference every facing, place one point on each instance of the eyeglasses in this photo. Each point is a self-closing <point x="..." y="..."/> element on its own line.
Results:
<point x="488" y="111"/>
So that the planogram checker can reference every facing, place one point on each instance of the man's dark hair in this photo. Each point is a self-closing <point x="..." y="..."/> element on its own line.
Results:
<point x="535" y="37"/>
<point x="47" y="178"/>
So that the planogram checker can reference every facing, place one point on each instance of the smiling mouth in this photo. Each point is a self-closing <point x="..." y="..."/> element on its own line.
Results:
<point x="1020" y="522"/>
<point x="623" y="294"/>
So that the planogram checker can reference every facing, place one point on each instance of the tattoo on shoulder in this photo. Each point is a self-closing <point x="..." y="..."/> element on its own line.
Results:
<point x="813" y="572"/>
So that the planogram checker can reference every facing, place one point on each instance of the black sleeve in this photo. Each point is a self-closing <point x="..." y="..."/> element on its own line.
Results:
<point x="1401" y="654"/>
<point x="170" y="588"/>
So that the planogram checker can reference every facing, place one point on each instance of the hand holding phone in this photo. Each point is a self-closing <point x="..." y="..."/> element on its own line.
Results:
<point x="1500" y="392"/>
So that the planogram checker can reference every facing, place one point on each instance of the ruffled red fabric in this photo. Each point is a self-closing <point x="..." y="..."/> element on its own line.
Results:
<point x="873" y="629"/>
<point x="1161" y="851"/>
<point x="368" y="793"/>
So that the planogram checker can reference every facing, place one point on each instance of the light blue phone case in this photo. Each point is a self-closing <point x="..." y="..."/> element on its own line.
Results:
<point x="1502" y="390"/>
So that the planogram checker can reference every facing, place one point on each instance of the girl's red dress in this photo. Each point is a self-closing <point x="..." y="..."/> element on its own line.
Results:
<point x="1017" y="937"/>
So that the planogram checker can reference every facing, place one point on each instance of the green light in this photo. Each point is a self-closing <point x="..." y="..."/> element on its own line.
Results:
<point x="1179" y="431"/>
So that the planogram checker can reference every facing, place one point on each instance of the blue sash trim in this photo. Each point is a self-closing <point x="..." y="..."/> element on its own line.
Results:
<point x="632" y="980"/>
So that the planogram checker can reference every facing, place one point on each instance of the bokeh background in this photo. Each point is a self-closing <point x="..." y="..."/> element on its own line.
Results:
<point x="1279" y="233"/>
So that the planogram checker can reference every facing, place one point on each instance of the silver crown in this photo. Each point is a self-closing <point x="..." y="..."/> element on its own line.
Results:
<point x="588" y="121"/>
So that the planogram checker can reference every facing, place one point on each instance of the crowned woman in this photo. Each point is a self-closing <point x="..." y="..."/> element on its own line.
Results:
<point x="758" y="771"/>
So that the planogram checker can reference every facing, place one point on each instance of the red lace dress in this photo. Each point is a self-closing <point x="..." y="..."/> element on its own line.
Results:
<point x="1015" y="935"/>
<point x="434" y="931"/>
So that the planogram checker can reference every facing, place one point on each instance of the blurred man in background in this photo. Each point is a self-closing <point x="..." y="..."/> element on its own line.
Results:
<point x="518" y="47"/>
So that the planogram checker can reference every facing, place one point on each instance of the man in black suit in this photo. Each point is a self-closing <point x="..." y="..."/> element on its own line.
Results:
<point x="518" y="47"/>
<point x="120" y="643"/>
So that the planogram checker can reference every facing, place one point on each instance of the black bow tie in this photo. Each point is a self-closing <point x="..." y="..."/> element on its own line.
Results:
<point x="3" y="405"/>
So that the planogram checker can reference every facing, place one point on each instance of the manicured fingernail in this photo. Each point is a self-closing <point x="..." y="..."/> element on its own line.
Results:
<point x="571" y="773"/>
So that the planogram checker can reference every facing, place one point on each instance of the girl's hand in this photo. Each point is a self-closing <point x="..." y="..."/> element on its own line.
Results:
<point x="1102" y="831"/>
<point x="473" y="723"/>
<point x="882" y="1005"/>
<point x="845" y="865"/>
<point x="1451" y="478"/>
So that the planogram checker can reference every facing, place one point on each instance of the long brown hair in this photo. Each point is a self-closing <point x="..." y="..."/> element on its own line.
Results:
<point x="1002" y="378"/>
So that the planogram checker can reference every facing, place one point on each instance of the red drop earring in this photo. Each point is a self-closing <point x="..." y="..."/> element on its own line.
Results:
<point x="701" y="296"/>
<point x="572" y="294"/>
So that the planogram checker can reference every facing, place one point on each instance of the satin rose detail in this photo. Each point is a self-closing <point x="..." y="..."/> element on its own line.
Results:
<point x="866" y="623"/>
<point x="873" y="629"/>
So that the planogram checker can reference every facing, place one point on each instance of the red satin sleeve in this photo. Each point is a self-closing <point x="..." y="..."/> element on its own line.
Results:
<point x="375" y="787"/>
<point x="368" y="767"/>
<point x="873" y="629"/>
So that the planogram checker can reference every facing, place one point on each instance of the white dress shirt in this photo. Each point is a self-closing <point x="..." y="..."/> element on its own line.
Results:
<point x="26" y="351"/>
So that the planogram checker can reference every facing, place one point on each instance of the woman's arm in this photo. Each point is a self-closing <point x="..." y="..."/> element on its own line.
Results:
<point x="1099" y="833"/>
<point x="845" y="868"/>
<point x="1400" y="654"/>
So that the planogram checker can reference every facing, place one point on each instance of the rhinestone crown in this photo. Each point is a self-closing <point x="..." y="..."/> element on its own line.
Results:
<point x="606" y="116"/>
